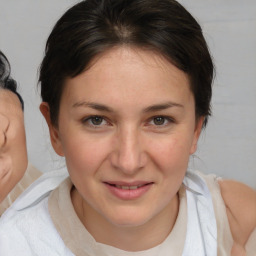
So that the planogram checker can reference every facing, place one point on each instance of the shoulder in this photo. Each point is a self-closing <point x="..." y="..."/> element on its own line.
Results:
<point x="22" y="217"/>
<point x="32" y="230"/>
<point x="240" y="202"/>
<point x="29" y="177"/>
<point x="29" y="224"/>
<point x="34" y="200"/>
<point x="21" y="226"/>
<point x="39" y="189"/>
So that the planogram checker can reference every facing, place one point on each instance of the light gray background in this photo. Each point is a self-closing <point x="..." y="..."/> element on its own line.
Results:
<point x="227" y="147"/>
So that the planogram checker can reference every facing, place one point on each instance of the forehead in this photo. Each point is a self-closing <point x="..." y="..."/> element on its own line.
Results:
<point x="125" y="58"/>
<point x="129" y="72"/>
<point x="9" y="101"/>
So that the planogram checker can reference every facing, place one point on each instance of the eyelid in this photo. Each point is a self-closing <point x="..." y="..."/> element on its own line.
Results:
<point x="86" y="120"/>
<point x="167" y="118"/>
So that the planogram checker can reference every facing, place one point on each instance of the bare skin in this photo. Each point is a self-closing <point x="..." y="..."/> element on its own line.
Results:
<point x="105" y="144"/>
<point x="119" y="123"/>
<point x="13" y="151"/>
<point x="240" y="203"/>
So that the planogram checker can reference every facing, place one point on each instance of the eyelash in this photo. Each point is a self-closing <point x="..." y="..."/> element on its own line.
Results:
<point x="89" y="121"/>
<point x="167" y="120"/>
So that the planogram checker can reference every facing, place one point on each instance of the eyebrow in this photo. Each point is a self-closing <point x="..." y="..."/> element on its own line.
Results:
<point x="101" y="107"/>
<point x="163" y="106"/>
<point x="93" y="105"/>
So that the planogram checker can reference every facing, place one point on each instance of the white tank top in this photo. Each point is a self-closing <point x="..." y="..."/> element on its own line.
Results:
<point x="201" y="231"/>
<point x="201" y="237"/>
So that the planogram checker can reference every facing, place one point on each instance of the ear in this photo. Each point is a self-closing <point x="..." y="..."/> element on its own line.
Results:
<point x="53" y="130"/>
<point x="197" y="132"/>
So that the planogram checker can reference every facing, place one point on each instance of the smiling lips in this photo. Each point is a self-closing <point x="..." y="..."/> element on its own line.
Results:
<point x="128" y="191"/>
<point x="128" y="187"/>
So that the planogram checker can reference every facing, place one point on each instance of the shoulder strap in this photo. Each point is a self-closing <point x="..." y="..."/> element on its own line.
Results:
<point x="40" y="189"/>
<point x="201" y="238"/>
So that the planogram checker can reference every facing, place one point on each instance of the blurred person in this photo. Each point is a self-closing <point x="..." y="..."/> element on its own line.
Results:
<point x="15" y="172"/>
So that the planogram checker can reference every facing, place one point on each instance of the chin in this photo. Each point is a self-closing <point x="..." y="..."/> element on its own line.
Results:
<point x="129" y="219"/>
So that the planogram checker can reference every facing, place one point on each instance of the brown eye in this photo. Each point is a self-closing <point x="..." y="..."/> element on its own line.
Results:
<point x="159" y="120"/>
<point x="96" y="120"/>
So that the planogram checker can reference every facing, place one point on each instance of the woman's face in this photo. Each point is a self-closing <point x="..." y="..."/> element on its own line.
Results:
<point x="127" y="128"/>
<point x="13" y="151"/>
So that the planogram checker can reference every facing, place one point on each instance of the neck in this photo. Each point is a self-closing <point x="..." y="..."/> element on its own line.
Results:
<point x="135" y="238"/>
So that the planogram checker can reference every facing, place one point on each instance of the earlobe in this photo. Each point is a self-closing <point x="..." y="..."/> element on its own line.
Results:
<point x="197" y="132"/>
<point x="53" y="130"/>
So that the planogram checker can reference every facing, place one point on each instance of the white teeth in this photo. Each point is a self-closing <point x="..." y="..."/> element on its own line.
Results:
<point x="128" y="187"/>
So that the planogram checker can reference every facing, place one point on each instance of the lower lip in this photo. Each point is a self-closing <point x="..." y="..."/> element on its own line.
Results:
<point x="128" y="194"/>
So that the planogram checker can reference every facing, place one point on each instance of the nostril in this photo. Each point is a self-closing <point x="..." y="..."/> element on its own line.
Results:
<point x="128" y="155"/>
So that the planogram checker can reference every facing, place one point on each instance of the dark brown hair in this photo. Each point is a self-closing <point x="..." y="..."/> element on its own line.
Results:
<point x="93" y="26"/>
<point x="6" y="82"/>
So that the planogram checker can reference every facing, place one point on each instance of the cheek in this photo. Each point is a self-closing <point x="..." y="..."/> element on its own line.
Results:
<point x="84" y="155"/>
<point x="171" y="154"/>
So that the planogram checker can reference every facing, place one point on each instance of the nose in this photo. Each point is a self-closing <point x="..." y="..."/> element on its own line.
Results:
<point x="128" y="155"/>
